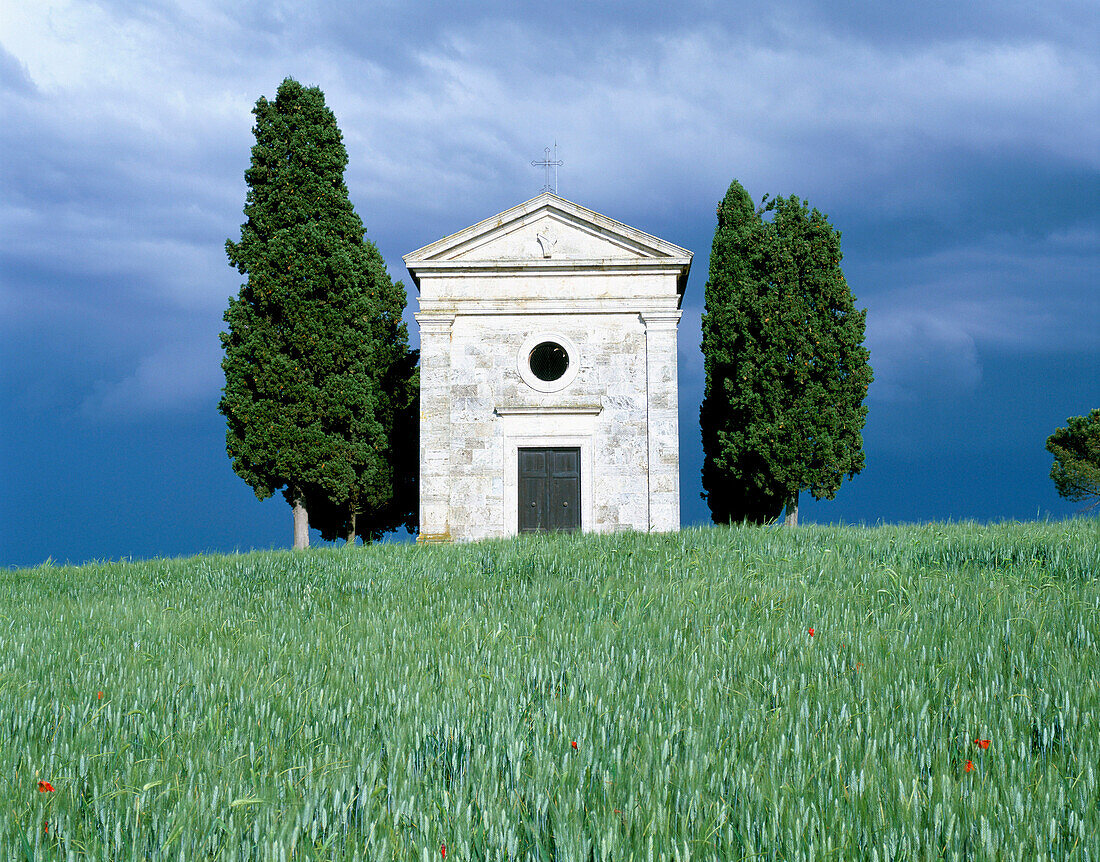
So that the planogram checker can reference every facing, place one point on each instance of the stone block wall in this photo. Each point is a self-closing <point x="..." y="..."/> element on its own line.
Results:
<point x="625" y="387"/>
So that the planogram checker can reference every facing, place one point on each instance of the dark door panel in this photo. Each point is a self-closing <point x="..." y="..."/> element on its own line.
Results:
<point x="565" y="496"/>
<point x="532" y="461"/>
<point x="564" y="462"/>
<point x="532" y="496"/>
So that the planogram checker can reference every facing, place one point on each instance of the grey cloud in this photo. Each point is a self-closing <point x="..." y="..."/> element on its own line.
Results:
<point x="1009" y="291"/>
<point x="177" y="377"/>
<point x="1075" y="22"/>
<point x="927" y="339"/>
<point x="918" y="355"/>
<point x="575" y="30"/>
<point x="14" y="77"/>
<point x="690" y="109"/>
<point x="128" y="161"/>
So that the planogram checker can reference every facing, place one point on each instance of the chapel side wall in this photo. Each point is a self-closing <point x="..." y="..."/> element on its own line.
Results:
<point x="664" y="433"/>
<point x="621" y="480"/>
<point x="485" y="377"/>
<point x="477" y="463"/>
<point x="435" y="422"/>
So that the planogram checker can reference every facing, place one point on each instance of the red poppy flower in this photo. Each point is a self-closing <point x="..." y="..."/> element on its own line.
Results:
<point x="45" y="787"/>
<point x="574" y="744"/>
<point x="811" y="631"/>
<point x="970" y="766"/>
<point x="101" y="695"/>
<point x="443" y="850"/>
<point x="982" y="743"/>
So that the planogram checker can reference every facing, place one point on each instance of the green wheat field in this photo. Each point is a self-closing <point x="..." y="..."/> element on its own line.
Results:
<point x="564" y="697"/>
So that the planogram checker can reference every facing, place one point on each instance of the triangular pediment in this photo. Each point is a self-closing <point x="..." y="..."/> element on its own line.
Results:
<point x="547" y="228"/>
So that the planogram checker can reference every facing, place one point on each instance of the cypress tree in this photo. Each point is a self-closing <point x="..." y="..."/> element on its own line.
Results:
<point x="317" y="365"/>
<point x="737" y="481"/>
<point x="786" y="369"/>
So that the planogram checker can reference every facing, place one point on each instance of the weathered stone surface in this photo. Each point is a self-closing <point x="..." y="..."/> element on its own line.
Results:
<point x="609" y="295"/>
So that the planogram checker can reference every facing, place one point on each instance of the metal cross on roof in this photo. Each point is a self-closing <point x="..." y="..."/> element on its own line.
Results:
<point x="548" y="163"/>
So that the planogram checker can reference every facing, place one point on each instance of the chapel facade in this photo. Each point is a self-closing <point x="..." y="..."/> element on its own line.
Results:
<point x="548" y="392"/>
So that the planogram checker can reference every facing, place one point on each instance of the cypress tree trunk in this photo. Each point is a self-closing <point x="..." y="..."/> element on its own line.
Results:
<point x="351" y="525"/>
<point x="301" y="522"/>
<point x="792" y="512"/>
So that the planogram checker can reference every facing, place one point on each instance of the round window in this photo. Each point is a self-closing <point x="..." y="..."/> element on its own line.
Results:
<point x="549" y="361"/>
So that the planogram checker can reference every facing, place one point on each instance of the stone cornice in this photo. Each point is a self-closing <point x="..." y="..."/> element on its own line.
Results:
<point x="580" y="410"/>
<point x="662" y="319"/>
<point x="452" y="306"/>
<point x="434" y="321"/>
<point x="554" y="266"/>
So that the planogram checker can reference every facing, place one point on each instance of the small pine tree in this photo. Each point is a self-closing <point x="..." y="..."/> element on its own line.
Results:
<point x="786" y="369"/>
<point x="1076" y="451"/>
<point x="315" y="348"/>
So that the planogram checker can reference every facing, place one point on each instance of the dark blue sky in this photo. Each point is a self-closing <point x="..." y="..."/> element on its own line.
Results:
<point x="956" y="146"/>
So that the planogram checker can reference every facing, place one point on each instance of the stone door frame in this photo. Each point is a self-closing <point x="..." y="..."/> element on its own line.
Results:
<point x="549" y="430"/>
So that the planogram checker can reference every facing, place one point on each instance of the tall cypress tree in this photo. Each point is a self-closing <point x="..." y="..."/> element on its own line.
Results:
<point x="786" y="369"/>
<point x="317" y="365"/>
<point x="737" y="480"/>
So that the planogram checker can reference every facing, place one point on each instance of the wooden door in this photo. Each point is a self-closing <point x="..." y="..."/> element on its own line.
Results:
<point x="549" y="489"/>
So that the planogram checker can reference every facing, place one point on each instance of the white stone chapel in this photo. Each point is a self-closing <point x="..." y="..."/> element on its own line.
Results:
<point x="548" y="375"/>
